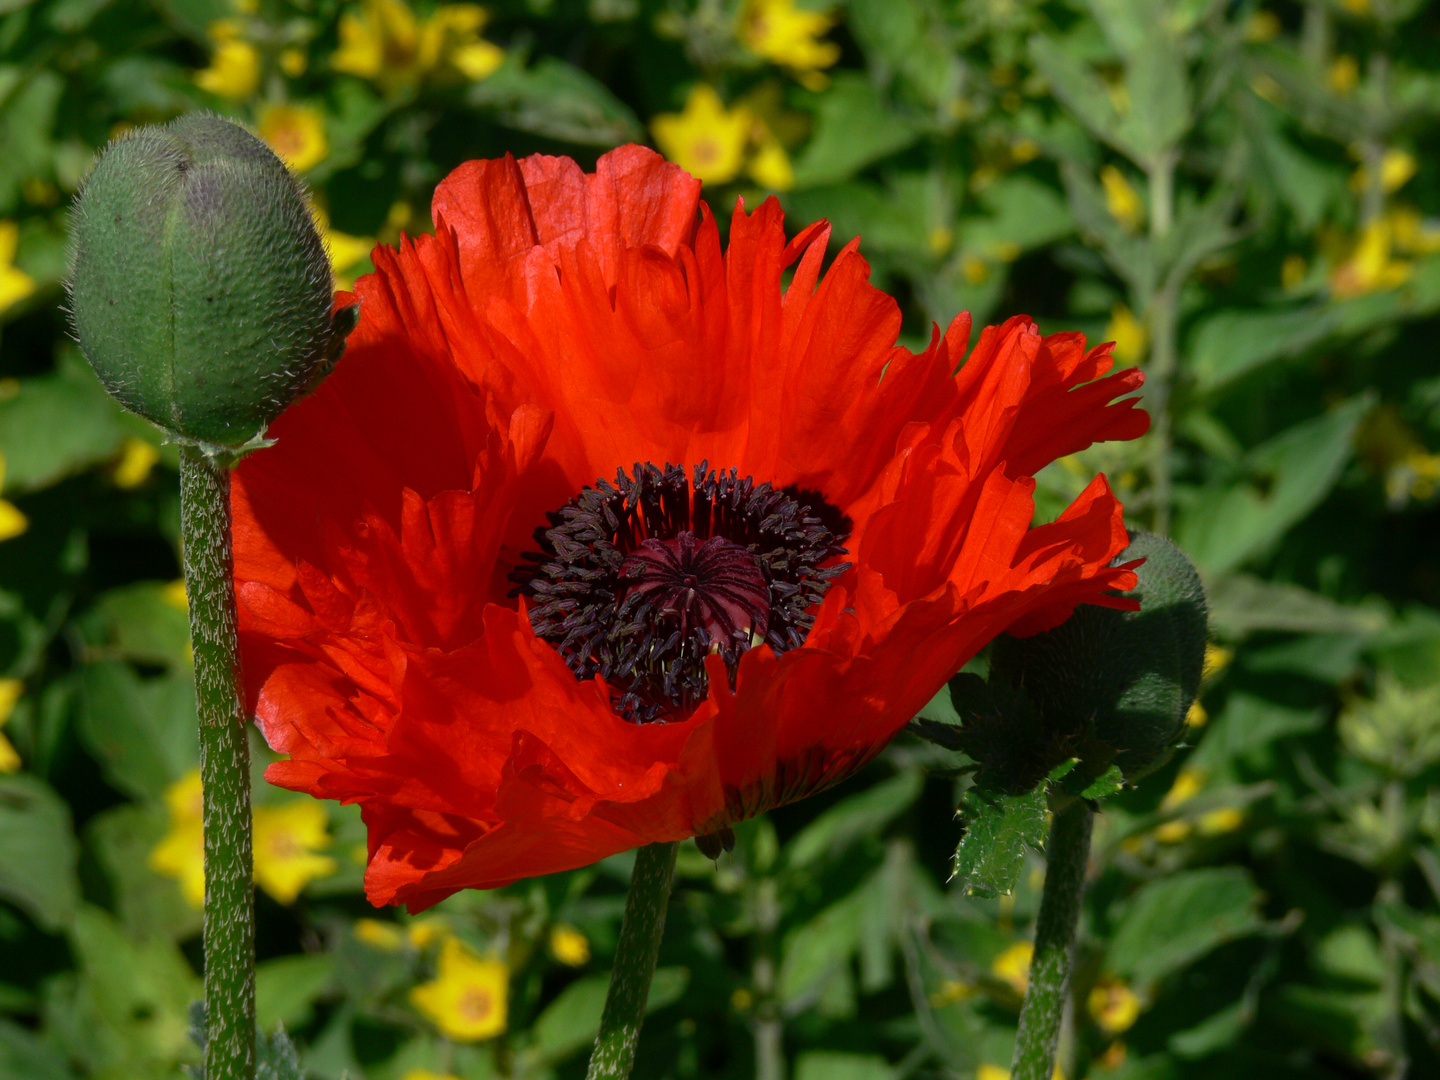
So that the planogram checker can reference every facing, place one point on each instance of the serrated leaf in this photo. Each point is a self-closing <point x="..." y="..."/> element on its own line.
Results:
<point x="1110" y="782"/>
<point x="998" y="829"/>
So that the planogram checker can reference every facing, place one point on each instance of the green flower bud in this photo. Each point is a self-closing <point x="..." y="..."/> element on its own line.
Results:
<point x="200" y="289"/>
<point x="1119" y="682"/>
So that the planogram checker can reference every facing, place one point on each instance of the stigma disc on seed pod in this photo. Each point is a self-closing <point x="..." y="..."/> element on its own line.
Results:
<point x="200" y="290"/>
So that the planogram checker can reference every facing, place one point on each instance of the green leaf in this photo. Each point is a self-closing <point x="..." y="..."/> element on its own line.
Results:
<point x="1248" y="725"/>
<point x="998" y="830"/>
<point x="859" y="816"/>
<point x="559" y="100"/>
<point x="24" y="1056"/>
<point x="1159" y="98"/>
<point x="38" y="852"/>
<point x="140" y="623"/>
<point x="1234" y="520"/>
<point x="286" y="988"/>
<point x="1241" y="604"/>
<point x="818" y="949"/>
<point x="143" y="731"/>
<point x="147" y="904"/>
<point x="1108" y="783"/>
<point x="276" y="1057"/>
<point x="1174" y="921"/>
<point x="127" y="1013"/>
<point x="56" y="425"/>
<point x="1230" y="344"/>
<point x="1080" y="90"/>
<point x="571" y="1022"/>
<point x="833" y="1065"/>
<point x="1023" y="214"/>
<point x="853" y="128"/>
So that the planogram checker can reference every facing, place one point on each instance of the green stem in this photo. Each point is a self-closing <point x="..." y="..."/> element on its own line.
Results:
<point x="1067" y="854"/>
<point x="635" y="956"/>
<point x="224" y="770"/>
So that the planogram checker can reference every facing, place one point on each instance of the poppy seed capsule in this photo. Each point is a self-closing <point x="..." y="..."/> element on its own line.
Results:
<point x="1123" y="678"/>
<point x="200" y="290"/>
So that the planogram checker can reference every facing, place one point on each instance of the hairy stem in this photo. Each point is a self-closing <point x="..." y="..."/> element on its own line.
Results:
<point x="224" y="770"/>
<point x="1067" y="853"/>
<point x="635" y="956"/>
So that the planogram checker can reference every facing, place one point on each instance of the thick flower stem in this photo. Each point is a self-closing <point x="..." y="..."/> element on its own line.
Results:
<point x="1067" y="853"/>
<point x="224" y="770"/>
<point x="635" y="956"/>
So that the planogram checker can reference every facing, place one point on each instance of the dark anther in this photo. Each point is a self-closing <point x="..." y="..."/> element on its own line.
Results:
<point x="712" y="844"/>
<point x="640" y="581"/>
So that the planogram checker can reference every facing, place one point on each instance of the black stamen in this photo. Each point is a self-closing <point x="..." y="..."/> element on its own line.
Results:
<point x="639" y="581"/>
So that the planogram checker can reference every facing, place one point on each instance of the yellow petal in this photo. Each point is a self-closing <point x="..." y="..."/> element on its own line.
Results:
<point x="467" y="999"/>
<point x="12" y="521"/>
<point x="137" y="458"/>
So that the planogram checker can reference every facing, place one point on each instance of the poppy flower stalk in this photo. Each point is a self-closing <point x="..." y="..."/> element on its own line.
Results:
<point x="635" y="956"/>
<point x="201" y="295"/>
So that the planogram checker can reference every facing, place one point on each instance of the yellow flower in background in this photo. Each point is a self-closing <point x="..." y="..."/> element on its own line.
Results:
<point x="1196" y="716"/>
<point x="996" y="1072"/>
<point x="175" y="595"/>
<point x="346" y="252"/>
<point x="1013" y="965"/>
<point x="1292" y="272"/>
<point x="467" y="999"/>
<point x="1122" y="200"/>
<point x="181" y="852"/>
<point x="287" y="838"/>
<point x="569" y="945"/>
<point x="426" y="1074"/>
<point x="378" y="934"/>
<point x="1370" y="266"/>
<point x="1344" y="74"/>
<point x="1217" y="659"/>
<point x="293" y="62"/>
<point x="137" y="459"/>
<point x="452" y="36"/>
<point x="425" y="932"/>
<point x="770" y="167"/>
<point x="296" y="133"/>
<point x="234" y="71"/>
<point x="786" y="35"/>
<point x="10" y="691"/>
<point x="12" y="521"/>
<point x="1411" y="233"/>
<point x="386" y="44"/>
<point x="1261" y="27"/>
<point x="284" y="837"/>
<point x="1223" y="820"/>
<point x="15" y="284"/>
<point x="706" y="140"/>
<point x="1114" y="1006"/>
<point x="1397" y="167"/>
<point x="1129" y="335"/>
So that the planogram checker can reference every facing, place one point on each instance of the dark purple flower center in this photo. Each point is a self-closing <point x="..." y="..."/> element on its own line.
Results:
<point x="639" y="581"/>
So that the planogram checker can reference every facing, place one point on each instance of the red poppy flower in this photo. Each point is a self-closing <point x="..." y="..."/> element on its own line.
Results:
<point x="600" y="536"/>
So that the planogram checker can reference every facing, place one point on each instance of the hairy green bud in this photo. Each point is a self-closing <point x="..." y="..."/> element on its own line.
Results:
<point x="1119" y="682"/>
<point x="200" y="289"/>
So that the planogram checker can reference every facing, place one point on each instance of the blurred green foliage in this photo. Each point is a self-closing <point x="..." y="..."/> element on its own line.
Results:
<point x="1243" y="195"/>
